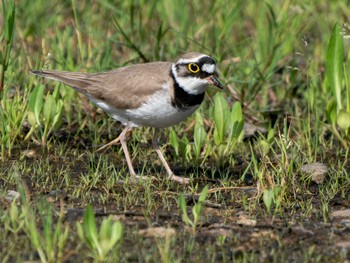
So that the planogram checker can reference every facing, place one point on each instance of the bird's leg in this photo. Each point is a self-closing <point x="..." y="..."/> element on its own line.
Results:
<point x="122" y="139"/>
<point x="109" y="144"/>
<point x="171" y="175"/>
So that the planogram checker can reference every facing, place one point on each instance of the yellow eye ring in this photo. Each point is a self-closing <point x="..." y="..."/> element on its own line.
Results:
<point x="194" y="68"/>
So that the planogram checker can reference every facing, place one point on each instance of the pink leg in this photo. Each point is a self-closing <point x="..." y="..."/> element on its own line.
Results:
<point x="171" y="175"/>
<point x="122" y="138"/>
<point x="109" y="144"/>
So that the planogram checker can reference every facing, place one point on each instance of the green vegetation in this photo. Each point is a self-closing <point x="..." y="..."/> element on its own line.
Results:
<point x="196" y="210"/>
<point x="99" y="243"/>
<point x="286" y="103"/>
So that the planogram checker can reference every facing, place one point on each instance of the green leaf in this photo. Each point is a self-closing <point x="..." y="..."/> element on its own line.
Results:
<point x="331" y="113"/>
<point x="9" y="22"/>
<point x="198" y="207"/>
<point x="184" y="148"/>
<point x="348" y="82"/>
<point x="8" y="26"/>
<point x="343" y="120"/>
<point x="174" y="141"/>
<point x="56" y="93"/>
<point x="220" y="114"/>
<point x="334" y="64"/>
<point x="80" y="231"/>
<point x="105" y="229"/>
<point x="203" y="195"/>
<point x="236" y="112"/>
<point x="49" y="109"/>
<point x="32" y="99"/>
<point x="39" y="103"/>
<point x="183" y="208"/>
<point x="236" y="121"/>
<point x="90" y="228"/>
<point x="14" y="212"/>
<point x="271" y="135"/>
<point x="116" y="232"/>
<point x="57" y="120"/>
<point x="268" y="198"/>
<point x="31" y="119"/>
<point x="36" y="103"/>
<point x="199" y="135"/>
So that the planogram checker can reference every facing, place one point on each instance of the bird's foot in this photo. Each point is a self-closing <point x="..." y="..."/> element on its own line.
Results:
<point x="179" y="179"/>
<point x="137" y="178"/>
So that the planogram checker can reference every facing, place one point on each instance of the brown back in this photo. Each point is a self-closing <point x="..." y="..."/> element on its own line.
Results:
<point x="122" y="88"/>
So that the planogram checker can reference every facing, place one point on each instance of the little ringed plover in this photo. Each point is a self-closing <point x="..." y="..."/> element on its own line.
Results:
<point x="158" y="94"/>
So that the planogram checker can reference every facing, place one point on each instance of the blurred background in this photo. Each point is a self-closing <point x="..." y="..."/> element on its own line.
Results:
<point x="286" y="104"/>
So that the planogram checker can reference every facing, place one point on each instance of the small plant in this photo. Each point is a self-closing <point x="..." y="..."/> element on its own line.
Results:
<point x="7" y="34"/>
<point x="47" y="113"/>
<point x="181" y="146"/>
<point x="12" y="115"/>
<point x="199" y="136"/>
<point x="50" y="238"/>
<point x="220" y="117"/>
<point x="197" y="209"/>
<point x="174" y="141"/>
<point x="337" y="75"/>
<point x="228" y="126"/>
<point x="47" y="234"/>
<point x="271" y="197"/>
<point x="14" y="220"/>
<point x="103" y="241"/>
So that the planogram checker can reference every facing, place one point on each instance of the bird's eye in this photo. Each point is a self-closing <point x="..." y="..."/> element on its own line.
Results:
<point x="194" y="68"/>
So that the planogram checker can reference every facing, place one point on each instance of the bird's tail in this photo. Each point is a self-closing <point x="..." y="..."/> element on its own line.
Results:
<point x="74" y="79"/>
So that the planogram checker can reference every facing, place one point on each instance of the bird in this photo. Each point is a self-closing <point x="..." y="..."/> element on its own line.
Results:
<point x="154" y="94"/>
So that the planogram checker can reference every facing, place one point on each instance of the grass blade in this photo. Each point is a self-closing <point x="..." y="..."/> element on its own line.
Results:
<point x="334" y="64"/>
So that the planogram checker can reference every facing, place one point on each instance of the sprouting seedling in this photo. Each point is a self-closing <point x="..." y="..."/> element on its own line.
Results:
<point x="44" y="113"/>
<point x="271" y="198"/>
<point x="101" y="241"/>
<point x="197" y="209"/>
<point x="338" y="114"/>
<point x="199" y="136"/>
<point x="8" y="33"/>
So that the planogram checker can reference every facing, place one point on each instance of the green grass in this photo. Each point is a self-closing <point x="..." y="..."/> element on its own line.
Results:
<point x="285" y="66"/>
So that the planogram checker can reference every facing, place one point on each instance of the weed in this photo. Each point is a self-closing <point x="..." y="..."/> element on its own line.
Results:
<point x="337" y="73"/>
<point x="196" y="209"/>
<point x="44" y="113"/>
<point x="100" y="241"/>
<point x="6" y="36"/>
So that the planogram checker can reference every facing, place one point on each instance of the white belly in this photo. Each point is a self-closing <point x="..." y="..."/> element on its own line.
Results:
<point x="156" y="112"/>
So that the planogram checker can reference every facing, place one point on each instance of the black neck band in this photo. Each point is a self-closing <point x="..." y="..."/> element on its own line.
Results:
<point x="182" y="99"/>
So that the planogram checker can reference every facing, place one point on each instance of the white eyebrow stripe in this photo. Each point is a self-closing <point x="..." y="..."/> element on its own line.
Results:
<point x="209" y="68"/>
<point x="191" y="60"/>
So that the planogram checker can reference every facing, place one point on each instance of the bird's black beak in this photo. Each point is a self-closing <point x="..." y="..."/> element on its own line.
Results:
<point x="214" y="81"/>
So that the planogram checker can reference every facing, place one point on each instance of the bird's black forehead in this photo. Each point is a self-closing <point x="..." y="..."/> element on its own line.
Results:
<point x="206" y="60"/>
<point x="201" y="61"/>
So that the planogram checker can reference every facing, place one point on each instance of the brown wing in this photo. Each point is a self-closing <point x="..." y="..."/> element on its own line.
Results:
<point x="122" y="88"/>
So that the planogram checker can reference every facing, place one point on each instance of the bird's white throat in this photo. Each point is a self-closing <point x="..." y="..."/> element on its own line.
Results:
<point x="191" y="85"/>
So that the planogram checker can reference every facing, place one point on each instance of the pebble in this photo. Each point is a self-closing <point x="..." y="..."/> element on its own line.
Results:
<point x="251" y="130"/>
<point x="157" y="232"/>
<point x="341" y="213"/>
<point x="30" y="154"/>
<point x="317" y="171"/>
<point x="12" y="195"/>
